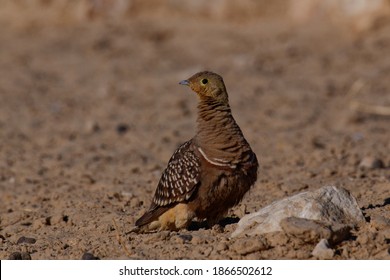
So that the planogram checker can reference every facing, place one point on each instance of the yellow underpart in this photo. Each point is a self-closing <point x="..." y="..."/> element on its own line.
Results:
<point x="178" y="217"/>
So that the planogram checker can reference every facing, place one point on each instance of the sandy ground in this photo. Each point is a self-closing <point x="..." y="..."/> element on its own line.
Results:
<point x="91" y="113"/>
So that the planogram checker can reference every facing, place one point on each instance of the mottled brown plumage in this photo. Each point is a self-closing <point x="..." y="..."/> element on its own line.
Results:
<point x="208" y="174"/>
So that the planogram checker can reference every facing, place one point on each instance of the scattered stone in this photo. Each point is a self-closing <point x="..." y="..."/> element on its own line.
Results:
<point x="92" y="126"/>
<point x="26" y="256"/>
<point x="47" y="221"/>
<point x="122" y="128"/>
<point x="55" y="219"/>
<point x="185" y="237"/>
<point x="15" y="256"/>
<point x="28" y="240"/>
<point x="135" y="170"/>
<point x="89" y="256"/>
<point x="249" y="245"/>
<point x="328" y="204"/>
<point x="371" y="163"/>
<point x="87" y="179"/>
<point x="19" y="256"/>
<point x="323" y="251"/>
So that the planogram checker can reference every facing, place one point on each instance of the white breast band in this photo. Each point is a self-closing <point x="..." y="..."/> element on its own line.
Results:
<point x="214" y="162"/>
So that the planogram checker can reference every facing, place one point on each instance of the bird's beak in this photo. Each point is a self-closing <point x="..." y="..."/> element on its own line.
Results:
<point x="185" y="83"/>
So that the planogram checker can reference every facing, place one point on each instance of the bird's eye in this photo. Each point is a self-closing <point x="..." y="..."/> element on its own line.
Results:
<point x="205" y="81"/>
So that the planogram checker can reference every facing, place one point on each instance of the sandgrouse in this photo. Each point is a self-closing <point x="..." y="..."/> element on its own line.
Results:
<point x="208" y="174"/>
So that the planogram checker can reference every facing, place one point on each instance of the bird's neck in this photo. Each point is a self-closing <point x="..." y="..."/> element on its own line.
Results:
<point x="218" y="134"/>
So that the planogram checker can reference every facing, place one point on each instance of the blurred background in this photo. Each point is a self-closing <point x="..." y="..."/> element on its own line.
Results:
<point x="78" y="66"/>
<point x="356" y="14"/>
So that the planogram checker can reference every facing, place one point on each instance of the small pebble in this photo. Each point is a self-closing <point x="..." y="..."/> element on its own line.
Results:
<point x="91" y="126"/>
<point x="19" y="256"/>
<point x="186" y="237"/>
<point x="89" y="256"/>
<point x="122" y="128"/>
<point x="28" y="240"/>
<point x="322" y="250"/>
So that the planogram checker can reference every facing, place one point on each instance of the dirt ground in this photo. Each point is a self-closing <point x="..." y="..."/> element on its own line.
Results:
<point x="90" y="114"/>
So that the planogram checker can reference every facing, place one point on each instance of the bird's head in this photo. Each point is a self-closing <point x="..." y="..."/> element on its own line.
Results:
<point x="208" y="85"/>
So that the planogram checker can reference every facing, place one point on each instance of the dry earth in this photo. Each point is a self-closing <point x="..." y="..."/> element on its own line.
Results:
<point x="91" y="112"/>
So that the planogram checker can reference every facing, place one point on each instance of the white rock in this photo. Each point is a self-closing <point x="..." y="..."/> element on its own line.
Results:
<point x="328" y="204"/>
<point x="322" y="250"/>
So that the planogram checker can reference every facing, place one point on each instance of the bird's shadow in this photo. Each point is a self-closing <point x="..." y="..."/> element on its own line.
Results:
<point x="194" y="226"/>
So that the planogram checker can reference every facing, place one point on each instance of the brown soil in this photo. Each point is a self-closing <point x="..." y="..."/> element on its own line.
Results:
<point x="90" y="113"/>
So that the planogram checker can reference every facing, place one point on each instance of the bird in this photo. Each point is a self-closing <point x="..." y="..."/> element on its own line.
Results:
<point x="210" y="173"/>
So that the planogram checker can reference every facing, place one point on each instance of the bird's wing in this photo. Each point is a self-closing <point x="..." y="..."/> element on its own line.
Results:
<point x="177" y="184"/>
<point x="179" y="179"/>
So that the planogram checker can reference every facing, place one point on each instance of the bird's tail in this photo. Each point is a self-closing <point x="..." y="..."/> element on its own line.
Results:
<point x="151" y="215"/>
